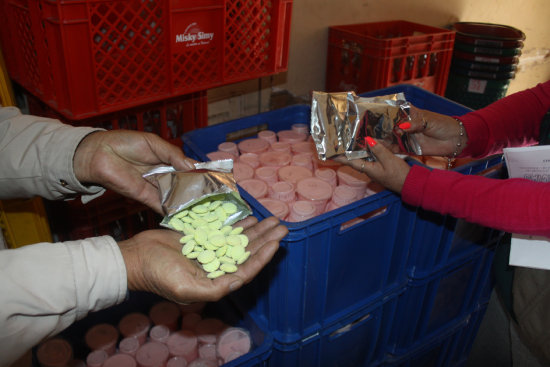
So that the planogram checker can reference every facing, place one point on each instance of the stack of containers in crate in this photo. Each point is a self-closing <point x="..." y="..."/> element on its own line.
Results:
<point x="369" y="56"/>
<point x="147" y="330"/>
<point x="484" y="62"/>
<point x="352" y="286"/>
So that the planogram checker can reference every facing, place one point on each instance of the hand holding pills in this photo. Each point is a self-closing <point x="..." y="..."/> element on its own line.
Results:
<point x="154" y="262"/>
<point x="117" y="159"/>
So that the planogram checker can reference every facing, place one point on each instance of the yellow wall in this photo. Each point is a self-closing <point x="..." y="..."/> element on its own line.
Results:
<point x="311" y="19"/>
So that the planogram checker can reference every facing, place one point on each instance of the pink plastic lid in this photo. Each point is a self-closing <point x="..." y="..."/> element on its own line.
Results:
<point x="344" y="195"/>
<point x="301" y="210"/>
<point x="328" y="175"/>
<point x="283" y="191"/>
<point x="277" y="207"/>
<point x="242" y="171"/>
<point x="304" y="147"/>
<point x="255" y="187"/>
<point x="300" y="128"/>
<point x="208" y="329"/>
<point x="190" y="320"/>
<point x="177" y="362"/>
<point x="120" y="360"/>
<point x="267" y="174"/>
<point x="351" y="177"/>
<point x="54" y="352"/>
<point x="234" y="342"/>
<point x="253" y="145"/>
<point x="291" y="136"/>
<point x="135" y="324"/>
<point x="96" y="358"/>
<point x="128" y="345"/>
<point x="275" y="159"/>
<point x="183" y="343"/>
<point x="201" y="362"/>
<point x="102" y="336"/>
<point x="302" y="160"/>
<point x="252" y="159"/>
<point x="208" y="351"/>
<point x="281" y="146"/>
<point x="293" y="174"/>
<point x="268" y="136"/>
<point x="228" y="147"/>
<point x="165" y="313"/>
<point x="159" y="333"/>
<point x="218" y="156"/>
<point x="152" y="354"/>
<point x="315" y="190"/>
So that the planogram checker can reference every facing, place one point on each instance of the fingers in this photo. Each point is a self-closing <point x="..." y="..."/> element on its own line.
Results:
<point x="169" y="153"/>
<point x="247" y="222"/>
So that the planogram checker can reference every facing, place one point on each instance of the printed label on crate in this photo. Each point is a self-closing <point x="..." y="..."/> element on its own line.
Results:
<point x="193" y="36"/>
<point x="196" y="30"/>
<point x="477" y="85"/>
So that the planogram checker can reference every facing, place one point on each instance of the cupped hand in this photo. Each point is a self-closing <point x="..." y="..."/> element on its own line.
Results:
<point x="154" y="263"/>
<point x="117" y="159"/>
<point x="388" y="170"/>
<point x="436" y="133"/>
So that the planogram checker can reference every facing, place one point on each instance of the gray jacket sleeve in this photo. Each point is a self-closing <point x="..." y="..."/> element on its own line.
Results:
<point x="37" y="157"/>
<point x="46" y="287"/>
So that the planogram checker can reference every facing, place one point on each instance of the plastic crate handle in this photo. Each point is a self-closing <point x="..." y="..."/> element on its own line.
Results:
<point x="282" y="24"/>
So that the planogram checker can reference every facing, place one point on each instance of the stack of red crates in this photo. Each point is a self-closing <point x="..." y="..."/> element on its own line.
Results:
<point x="91" y="57"/>
<point x="139" y="65"/>
<point x="369" y="56"/>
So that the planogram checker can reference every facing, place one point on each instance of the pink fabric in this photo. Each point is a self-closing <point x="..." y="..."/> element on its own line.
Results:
<point x="512" y="205"/>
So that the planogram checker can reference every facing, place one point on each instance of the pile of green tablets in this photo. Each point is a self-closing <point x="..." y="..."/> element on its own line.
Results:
<point x="217" y="247"/>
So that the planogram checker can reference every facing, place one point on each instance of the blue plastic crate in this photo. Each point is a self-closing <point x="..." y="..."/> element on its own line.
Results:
<point x="439" y="240"/>
<point x="324" y="272"/>
<point x="356" y="340"/>
<point x="225" y="310"/>
<point x="431" y="305"/>
<point x="448" y="348"/>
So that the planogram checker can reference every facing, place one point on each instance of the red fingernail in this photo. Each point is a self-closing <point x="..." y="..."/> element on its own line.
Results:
<point x="370" y="141"/>
<point x="405" y="125"/>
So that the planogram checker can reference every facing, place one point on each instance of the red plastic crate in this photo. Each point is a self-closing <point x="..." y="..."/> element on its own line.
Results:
<point x="90" y="57"/>
<point x="370" y="56"/>
<point x="169" y="119"/>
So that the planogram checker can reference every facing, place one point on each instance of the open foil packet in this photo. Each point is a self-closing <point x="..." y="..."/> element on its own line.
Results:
<point x="209" y="181"/>
<point x="341" y="121"/>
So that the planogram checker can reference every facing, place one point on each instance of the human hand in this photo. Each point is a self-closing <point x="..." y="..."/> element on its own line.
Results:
<point x="117" y="159"/>
<point x="388" y="170"/>
<point x="154" y="263"/>
<point x="436" y="133"/>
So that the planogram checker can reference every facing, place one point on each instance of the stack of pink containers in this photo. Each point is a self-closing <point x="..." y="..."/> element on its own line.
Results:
<point x="170" y="335"/>
<point x="282" y="171"/>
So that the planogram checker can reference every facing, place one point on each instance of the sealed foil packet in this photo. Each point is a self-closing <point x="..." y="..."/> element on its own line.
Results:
<point x="210" y="181"/>
<point x="341" y="121"/>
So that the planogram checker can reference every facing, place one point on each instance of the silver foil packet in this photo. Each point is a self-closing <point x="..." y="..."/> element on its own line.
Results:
<point x="341" y="121"/>
<point x="209" y="181"/>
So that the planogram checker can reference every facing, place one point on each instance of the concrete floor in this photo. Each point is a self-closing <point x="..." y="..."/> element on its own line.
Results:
<point x="497" y="342"/>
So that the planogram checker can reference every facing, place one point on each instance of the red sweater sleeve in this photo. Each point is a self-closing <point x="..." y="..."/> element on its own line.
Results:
<point x="511" y="121"/>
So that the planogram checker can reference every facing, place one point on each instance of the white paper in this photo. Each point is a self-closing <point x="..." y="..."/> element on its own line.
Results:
<point x="532" y="163"/>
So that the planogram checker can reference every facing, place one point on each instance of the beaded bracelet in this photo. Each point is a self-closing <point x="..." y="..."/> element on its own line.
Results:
<point x="451" y="159"/>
